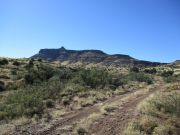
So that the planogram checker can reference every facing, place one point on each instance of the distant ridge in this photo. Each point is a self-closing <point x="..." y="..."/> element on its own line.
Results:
<point x="90" y="56"/>
<point x="177" y="62"/>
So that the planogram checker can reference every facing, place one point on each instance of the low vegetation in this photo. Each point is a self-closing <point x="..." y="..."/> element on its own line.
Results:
<point x="159" y="115"/>
<point x="36" y="90"/>
<point x="39" y="85"/>
<point x="4" y="61"/>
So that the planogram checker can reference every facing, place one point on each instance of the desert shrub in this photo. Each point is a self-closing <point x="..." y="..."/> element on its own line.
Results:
<point x="72" y="89"/>
<point x="134" y="69"/>
<point x="140" y="77"/>
<point x="29" y="78"/>
<point x="4" y="77"/>
<point x="16" y="63"/>
<point x="3" y="115"/>
<point x="66" y="101"/>
<point x="30" y="64"/>
<point x="93" y="78"/>
<point x="118" y="80"/>
<point x="50" y="90"/>
<point x="22" y="103"/>
<point x="4" y="62"/>
<point x="150" y="71"/>
<point x="81" y="131"/>
<point x="47" y="117"/>
<point x="50" y="103"/>
<point x="165" y="129"/>
<point x="29" y="101"/>
<point x="2" y="86"/>
<point x="65" y="74"/>
<point x="167" y="73"/>
<point x="39" y="74"/>
<point x="171" y="79"/>
<point x="14" y="72"/>
<point x="40" y="60"/>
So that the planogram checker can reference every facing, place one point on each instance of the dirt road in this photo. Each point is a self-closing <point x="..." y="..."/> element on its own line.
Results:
<point x="112" y="124"/>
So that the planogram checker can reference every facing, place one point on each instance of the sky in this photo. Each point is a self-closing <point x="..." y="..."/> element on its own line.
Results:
<point x="144" y="29"/>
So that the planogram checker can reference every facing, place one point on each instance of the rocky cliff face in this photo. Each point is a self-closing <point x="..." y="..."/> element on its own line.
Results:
<point x="89" y="56"/>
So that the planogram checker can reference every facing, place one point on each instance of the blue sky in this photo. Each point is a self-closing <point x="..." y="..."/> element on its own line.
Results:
<point x="144" y="29"/>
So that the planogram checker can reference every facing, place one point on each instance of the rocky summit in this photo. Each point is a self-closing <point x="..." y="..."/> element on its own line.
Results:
<point x="90" y="56"/>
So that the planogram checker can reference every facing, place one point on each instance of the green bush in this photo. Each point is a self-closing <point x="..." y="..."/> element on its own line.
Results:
<point x="29" y="101"/>
<point x="93" y="78"/>
<point x="50" y="103"/>
<point x="66" y="101"/>
<point x="16" y="63"/>
<point x="140" y="77"/>
<point x="3" y="115"/>
<point x="30" y="64"/>
<point x="39" y="74"/>
<point x="171" y="79"/>
<point x="81" y="131"/>
<point x="40" y="60"/>
<point x="167" y="73"/>
<point x="65" y="74"/>
<point x="150" y="71"/>
<point x="134" y="69"/>
<point x="4" y="62"/>
<point x="2" y="86"/>
<point x="22" y="103"/>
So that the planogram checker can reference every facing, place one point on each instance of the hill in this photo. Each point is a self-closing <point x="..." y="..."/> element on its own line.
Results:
<point x="90" y="56"/>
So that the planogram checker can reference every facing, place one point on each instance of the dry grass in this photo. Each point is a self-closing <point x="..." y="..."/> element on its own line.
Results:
<point x="6" y="128"/>
<point x="85" y="123"/>
<point x="159" y="115"/>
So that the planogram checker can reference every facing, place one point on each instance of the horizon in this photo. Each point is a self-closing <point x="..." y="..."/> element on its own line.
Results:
<point x="83" y="50"/>
<point x="145" y="30"/>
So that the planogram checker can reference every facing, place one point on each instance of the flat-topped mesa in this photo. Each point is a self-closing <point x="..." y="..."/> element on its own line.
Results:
<point x="89" y="56"/>
<point x="63" y="54"/>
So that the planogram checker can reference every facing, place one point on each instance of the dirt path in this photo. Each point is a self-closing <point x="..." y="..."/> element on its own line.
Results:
<point x="115" y="124"/>
<point x="108" y="125"/>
